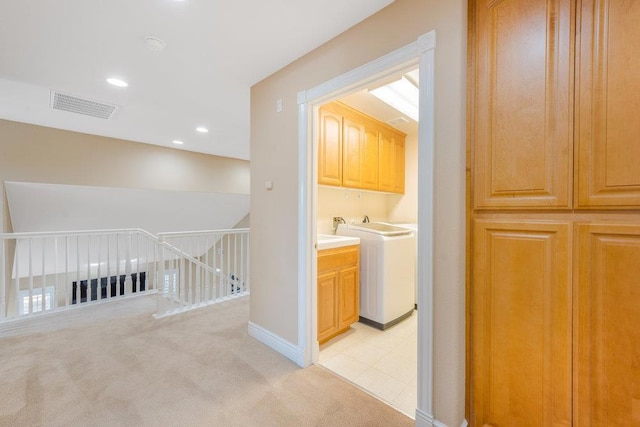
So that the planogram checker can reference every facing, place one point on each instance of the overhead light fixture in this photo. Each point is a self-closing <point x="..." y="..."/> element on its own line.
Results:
<point x="402" y="95"/>
<point x="117" y="82"/>
<point x="154" y="44"/>
<point x="202" y="129"/>
<point x="178" y="142"/>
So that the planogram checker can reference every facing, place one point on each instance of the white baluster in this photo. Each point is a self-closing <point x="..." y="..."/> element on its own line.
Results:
<point x="16" y="285"/>
<point x="99" y="279"/>
<point x="128" y="283"/>
<point x="248" y="274"/>
<point x="108" y="266"/>
<point x="89" y="294"/>
<point x="43" y="277"/>
<point x="78" y="287"/>
<point x="3" y="283"/>
<point x="67" y="291"/>
<point x="56" y="279"/>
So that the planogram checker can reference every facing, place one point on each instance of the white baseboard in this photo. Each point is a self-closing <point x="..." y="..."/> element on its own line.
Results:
<point x="279" y="344"/>
<point x="425" y="420"/>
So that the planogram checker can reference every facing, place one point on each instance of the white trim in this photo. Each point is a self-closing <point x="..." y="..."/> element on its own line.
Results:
<point x="425" y="420"/>
<point x="464" y="423"/>
<point x="421" y="52"/>
<point x="426" y="186"/>
<point x="391" y="62"/>
<point x="279" y="344"/>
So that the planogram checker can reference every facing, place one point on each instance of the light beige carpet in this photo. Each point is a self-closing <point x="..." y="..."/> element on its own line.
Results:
<point x="194" y="369"/>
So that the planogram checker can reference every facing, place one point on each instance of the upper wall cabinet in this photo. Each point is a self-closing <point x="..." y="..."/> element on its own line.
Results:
<point x="391" y="161"/>
<point x="522" y="111"/>
<point x="330" y="150"/>
<point x="359" y="154"/>
<point x="608" y="104"/>
<point x="357" y="151"/>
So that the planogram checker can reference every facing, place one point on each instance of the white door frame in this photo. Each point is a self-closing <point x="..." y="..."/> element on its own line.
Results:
<point x="421" y="52"/>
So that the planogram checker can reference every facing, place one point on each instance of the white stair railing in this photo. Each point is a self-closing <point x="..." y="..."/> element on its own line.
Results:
<point x="41" y="273"/>
<point x="54" y="271"/>
<point x="202" y="267"/>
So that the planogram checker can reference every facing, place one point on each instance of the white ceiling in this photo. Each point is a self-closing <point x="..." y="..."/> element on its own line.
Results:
<point x="215" y="51"/>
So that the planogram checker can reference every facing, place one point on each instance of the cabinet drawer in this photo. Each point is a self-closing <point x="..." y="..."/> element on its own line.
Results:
<point x="330" y="259"/>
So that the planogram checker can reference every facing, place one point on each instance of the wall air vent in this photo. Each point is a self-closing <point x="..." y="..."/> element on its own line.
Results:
<point x="88" y="107"/>
<point x="397" y="122"/>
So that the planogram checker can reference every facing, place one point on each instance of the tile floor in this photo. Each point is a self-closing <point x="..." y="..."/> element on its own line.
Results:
<point x="384" y="363"/>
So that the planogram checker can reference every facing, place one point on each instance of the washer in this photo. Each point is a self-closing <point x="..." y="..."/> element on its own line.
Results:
<point x="413" y="227"/>
<point x="387" y="272"/>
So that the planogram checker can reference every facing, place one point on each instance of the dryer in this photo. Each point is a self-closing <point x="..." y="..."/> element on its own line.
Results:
<point x="387" y="272"/>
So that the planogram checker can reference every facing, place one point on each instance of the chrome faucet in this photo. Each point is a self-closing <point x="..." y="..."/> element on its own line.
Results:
<point x="338" y="220"/>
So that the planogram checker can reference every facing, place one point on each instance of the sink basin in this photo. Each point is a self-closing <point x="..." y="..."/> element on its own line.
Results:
<point x="329" y="241"/>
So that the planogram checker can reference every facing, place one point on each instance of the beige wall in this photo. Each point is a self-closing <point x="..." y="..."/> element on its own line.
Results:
<point x="40" y="154"/>
<point x="274" y="157"/>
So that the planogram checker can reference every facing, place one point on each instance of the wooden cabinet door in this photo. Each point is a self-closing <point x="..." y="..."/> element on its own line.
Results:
<point x="607" y="364"/>
<point x="521" y="324"/>
<point x="608" y="104"/>
<point x="522" y="116"/>
<point x="386" y="176"/>
<point x="327" y="305"/>
<point x="369" y="155"/>
<point x="330" y="148"/>
<point x="398" y="186"/>
<point x="352" y="144"/>
<point x="348" y="297"/>
<point x="391" y="163"/>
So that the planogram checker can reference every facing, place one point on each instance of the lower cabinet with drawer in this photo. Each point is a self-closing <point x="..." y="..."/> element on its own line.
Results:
<point x="338" y="290"/>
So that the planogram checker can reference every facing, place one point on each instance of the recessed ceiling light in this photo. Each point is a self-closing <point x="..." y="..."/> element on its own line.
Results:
<point x="177" y="142"/>
<point x="117" y="82"/>
<point x="202" y="129"/>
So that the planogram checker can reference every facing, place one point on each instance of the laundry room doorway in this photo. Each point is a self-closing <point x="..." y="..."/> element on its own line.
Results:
<point x="322" y="209"/>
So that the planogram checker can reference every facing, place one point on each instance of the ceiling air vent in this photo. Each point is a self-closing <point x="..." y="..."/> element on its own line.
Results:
<point x="88" y="107"/>
<point x="399" y="121"/>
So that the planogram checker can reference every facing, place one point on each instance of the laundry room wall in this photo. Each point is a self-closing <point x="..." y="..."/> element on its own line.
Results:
<point x="353" y="205"/>
<point x="350" y="204"/>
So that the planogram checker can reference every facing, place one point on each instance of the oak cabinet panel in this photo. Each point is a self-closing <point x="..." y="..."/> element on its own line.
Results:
<point x="357" y="151"/>
<point x="348" y="297"/>
<point x="369" y="155"/>
<point x="327" y="309"/>
<point x="522" y="112"/>
<point x="392" y="169"/>
<point x="521" y="350"/>
<point x="554" y="104"/>
<point x="608" y="105"/>
<point x="330" y="148"/>
<point x="607" y="364"/>
<point x="338" y="290"/>
<point x="353" y="141"/>
<point x="360" y="155"/>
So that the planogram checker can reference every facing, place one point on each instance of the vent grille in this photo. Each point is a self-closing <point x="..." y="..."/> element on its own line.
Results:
<point x="88" y="107"/>
<point x="398" y="121"/>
